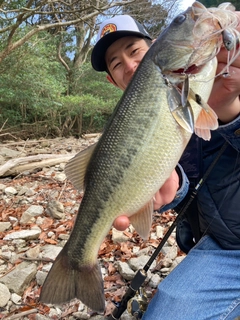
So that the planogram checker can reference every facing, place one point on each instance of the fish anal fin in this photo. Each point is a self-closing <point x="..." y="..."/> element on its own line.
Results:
<point x="76" y="167"/>
<point x="66" y="282"/>
<point x="142" y="220"/>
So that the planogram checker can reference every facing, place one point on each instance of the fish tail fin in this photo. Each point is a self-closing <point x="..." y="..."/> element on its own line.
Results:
<point x="67" y="281"/>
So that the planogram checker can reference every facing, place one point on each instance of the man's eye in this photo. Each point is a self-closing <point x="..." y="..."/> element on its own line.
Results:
<point x="134" y="51"/>
<point x="116" y="65"/>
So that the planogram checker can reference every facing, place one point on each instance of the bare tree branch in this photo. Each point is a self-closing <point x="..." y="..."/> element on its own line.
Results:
<point x="60" y="58"/>
<point x="64" y="13"/>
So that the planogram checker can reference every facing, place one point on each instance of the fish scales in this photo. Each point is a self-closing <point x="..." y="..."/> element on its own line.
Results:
<point x="137" y="152"/>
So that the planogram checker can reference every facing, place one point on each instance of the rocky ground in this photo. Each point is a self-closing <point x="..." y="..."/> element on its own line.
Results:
<point x="38" y="209"/>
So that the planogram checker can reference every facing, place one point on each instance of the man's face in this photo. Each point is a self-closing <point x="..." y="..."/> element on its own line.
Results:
<point x="123" y="57"/>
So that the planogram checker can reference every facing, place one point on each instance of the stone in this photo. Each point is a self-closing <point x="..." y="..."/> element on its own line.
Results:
<point x="40" y="277"/>
<point x="33" y="253"/>
<point x="63" y="236"/>
<point x="13" y="220"/>
<point x="16" y="298"/>
<point x="125" y="271"/>
<point x="155" y="280"/>
<point x="61" y="177"/>
<point x="23" y="190"/>
<point x="159" y="231"/>
<point x="6" y="255"/>
<point x="55" y="209"/>
<point x="2" y="187"/>
<point x="40" y="317"/>
<point x="118" y="236"/>
<point x="32" y="212"/>
<point x="19" y="278"/>
<point x="23" y="234"/>
<point x="139" y="262"/>
<point x="10" y="191"/>
<point x="170" y="252"/>
<point x="50" y="251"/>
<point x="4" y="295"/>
<point x="4" y="226"/>
<point x="81" y="315"/>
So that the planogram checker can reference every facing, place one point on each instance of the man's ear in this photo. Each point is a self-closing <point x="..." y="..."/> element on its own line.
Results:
<point x="110" y="79"/>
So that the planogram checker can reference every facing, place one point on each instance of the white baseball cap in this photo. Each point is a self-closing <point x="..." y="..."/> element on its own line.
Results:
<point x="111" y="30"/>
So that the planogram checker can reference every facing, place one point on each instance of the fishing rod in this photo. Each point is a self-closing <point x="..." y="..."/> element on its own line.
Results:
<point x="136" y="307"/>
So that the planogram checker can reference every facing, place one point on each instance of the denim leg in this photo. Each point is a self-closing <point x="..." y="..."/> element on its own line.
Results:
<point x="204" y="286"/>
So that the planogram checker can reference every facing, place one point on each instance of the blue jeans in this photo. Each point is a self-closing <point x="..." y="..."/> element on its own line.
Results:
<point x="204" y="286"/>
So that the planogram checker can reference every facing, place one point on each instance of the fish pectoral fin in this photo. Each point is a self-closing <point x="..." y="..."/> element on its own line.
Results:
<point x="183" y="114"/>
<point x="76" y="167"/>
<point x="205" y="134"/>
<point x="66" y="281"/>
<point x="142" y="220"/>
<point x="207" y="119"/>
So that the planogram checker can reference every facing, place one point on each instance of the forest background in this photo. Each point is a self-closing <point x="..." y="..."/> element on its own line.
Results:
<point x="47" y="85"/>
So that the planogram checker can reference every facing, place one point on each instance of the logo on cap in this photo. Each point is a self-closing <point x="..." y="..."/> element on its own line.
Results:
<point x="108" y="28"/>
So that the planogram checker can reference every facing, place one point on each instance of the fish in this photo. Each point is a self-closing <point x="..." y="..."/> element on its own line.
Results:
<point x="165" y="102"/>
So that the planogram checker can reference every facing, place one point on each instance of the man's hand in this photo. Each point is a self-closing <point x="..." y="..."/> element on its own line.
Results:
<point x="224" y="98"/>
<point x="164" y="196"/>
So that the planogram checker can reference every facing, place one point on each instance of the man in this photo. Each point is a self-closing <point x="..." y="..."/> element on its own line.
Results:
<point x="206" y="285"/>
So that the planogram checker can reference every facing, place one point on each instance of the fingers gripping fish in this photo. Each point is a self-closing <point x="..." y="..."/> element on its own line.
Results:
<point x="140" y="147"/>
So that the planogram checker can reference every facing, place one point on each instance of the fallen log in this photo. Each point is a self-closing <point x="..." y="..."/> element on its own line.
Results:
<point x="17" y="166"/>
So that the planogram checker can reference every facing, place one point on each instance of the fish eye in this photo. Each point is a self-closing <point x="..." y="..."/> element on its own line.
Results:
<point x="180" y="19"/>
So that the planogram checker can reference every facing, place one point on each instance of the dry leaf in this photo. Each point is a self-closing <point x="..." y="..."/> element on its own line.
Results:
<point x="51" y="241"/>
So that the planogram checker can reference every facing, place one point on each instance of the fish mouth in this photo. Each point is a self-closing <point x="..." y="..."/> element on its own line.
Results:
<point x="190" y="70"/>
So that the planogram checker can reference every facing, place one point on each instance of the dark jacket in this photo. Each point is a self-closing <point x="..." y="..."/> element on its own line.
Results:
<point x="218" y="200"/>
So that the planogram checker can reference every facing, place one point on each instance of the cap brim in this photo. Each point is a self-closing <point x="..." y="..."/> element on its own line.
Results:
<point x="99" y="50"/>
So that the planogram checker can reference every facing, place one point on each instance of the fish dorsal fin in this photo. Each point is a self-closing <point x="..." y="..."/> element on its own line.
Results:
<point x="183" y="114"/>
<point x="76" y="167"/>
<point x="207" y="119"/>
<point x="142" y="220"/>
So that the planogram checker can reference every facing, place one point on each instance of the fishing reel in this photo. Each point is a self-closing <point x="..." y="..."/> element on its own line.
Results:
<point x="137" y="305"/>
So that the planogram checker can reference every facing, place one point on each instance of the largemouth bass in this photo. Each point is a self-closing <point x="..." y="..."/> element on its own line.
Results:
<point x="140" y="147"/>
